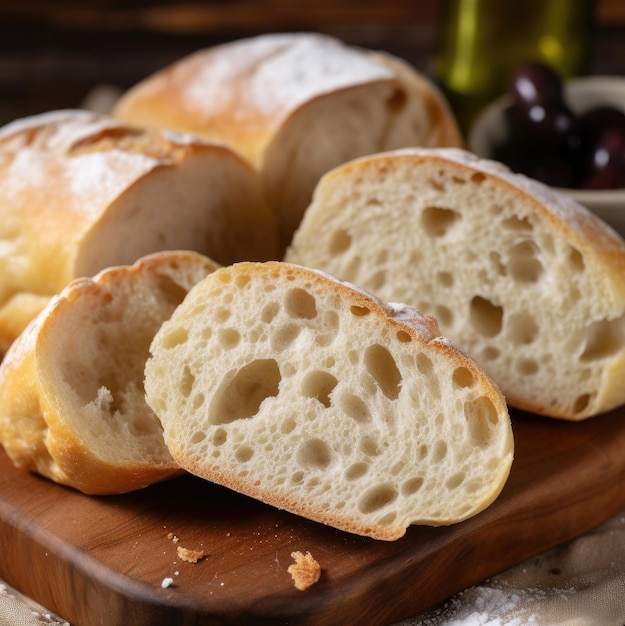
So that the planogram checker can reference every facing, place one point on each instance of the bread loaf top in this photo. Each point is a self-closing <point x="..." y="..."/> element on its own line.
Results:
<point x="295" y="105"/>
<point x="79" y="192"/>
<point x="526" y="280"/>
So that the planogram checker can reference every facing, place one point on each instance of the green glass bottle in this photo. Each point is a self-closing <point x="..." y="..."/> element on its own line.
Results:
<point x="482" y="42"/>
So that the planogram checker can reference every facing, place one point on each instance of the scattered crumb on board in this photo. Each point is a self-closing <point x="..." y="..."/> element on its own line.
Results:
<point x="305" y="571"/>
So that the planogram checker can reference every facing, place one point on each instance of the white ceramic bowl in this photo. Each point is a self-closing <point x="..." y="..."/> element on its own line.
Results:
<point x="581" y="94"/>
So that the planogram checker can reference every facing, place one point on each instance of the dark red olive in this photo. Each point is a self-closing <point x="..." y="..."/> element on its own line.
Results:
<point x="535" y="83"/>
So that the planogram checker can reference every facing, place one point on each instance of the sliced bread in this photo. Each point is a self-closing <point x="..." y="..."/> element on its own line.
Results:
<point x="295" y="105"/>
<point x="529" y="283"/>
<point x="72" y="405"/>
<point x="308" y="394"/>
<point x="80" y="192"/>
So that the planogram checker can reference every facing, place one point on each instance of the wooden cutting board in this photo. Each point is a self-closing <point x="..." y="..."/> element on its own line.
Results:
<point x="101" y="560"/>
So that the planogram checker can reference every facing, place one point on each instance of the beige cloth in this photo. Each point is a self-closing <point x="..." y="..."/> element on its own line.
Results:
<point x="580" y="583"/>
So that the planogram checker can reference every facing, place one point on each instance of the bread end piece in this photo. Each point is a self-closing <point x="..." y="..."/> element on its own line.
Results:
<point x="72" y="404"/>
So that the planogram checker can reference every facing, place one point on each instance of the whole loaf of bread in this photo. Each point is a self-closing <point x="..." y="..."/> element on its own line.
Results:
<point x="295" y="105"/>
<point x="80" y="192"/>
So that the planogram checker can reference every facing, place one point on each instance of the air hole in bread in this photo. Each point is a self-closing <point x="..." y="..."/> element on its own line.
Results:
<point x="300" y="304"/>
<point x="527" y="367"/>
<point x="376" y="498"/>
<point x="480" y="413"/>
<point x="457" y="180"/>
<point x="186" y="382"/>
<point x="490" y="353"/>
<point x="383" y="369"/>
<point x="576" y="260"/>
<point x="486" y="317"/>
<point x="314" y="454"/>
<point x="436" y="184"/>
<point x="369" y="446"/>
<point x="454" y="481"/>
<point x="351" y="271"/>
<point x="269" y="312"/>
<point x="444" y="315"/>
<point x="331" y="328"/>
<point x="581" y="403"/>
<point x="354" y="407"/>
<point x="463" y="377"/>
<point x="437" y="222"/>
<point x="359" y="311"/>
<point x="198" y="401"/>
<point x="283" y="336"/>
<point x="523" y="262"/>
<point x="403" y="336"/>
<point x="243" y="454"/>
<point x="241" y="393"/>
<point x="478" y="178"/>
<point x="522" y="328"/>
<point x="356" y="471"/>
<point x="378" y="280"/>
<point x="445" y="279"/>
<point x="439" y="451"/>
<point x="229" y="338"/>
<point x="175" y="337"/>
<point x="297" y="477"/>
<point x="604" y="338"/>
<point x="496" y="263"/>
<point x="222" y="314"/>
<point x="198" y="437"/>
<point x="424" y="364"/>
<point x="242" y="280"/>
<point x="411" y="486"/>
<point x="340" y="242"/>
<point x="517" y="224"/>
<point x="373" y="202"/>
<point x="288" y="425"/>
<point x="319" y="385"/>
<point x="388" y="519"/>
<point x="396" y="102"/>
<point x="382" y="257"/>
<point x="220" y="436"/>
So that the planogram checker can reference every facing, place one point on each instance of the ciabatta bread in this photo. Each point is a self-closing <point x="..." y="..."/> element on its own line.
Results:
<point x="72" y="405"/>
<point x="80" y="192"/>
<point x="529" y="283"/>
<point x="295" y="105"/>
<point x="291" y="387"/>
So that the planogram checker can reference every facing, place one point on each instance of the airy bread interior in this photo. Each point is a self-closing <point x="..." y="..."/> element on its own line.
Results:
<point x="308" y="394"/>
<point x="72" y="403"/>
<point x="529" y="283"/>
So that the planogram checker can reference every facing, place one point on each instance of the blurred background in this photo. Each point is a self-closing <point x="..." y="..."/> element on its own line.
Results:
<point x="53" y="54"/>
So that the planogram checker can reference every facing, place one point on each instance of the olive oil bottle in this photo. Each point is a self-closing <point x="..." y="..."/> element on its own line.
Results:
<point x="482" y="42"/>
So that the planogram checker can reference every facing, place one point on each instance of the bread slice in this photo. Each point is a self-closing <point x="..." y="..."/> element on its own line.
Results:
<point x="529" y="283"/>
<point x="80" y="192"/>
<point x="295" y="105"/>
<point x="72" y="404"/>
<point x="304" y="392"/>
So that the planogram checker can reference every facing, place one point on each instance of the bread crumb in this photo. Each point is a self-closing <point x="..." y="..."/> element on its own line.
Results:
<point x="305" y="571"/>
<point x="191" y="556"/>
<point x="167" y="582"/>
<point x="172" y="537"/>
